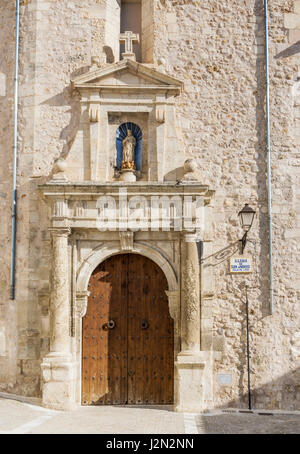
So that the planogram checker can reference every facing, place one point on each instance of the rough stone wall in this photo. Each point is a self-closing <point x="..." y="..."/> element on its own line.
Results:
<point x="55" y="44"/>
<point x="217" y="49"/>
<point x="7" y="308"/>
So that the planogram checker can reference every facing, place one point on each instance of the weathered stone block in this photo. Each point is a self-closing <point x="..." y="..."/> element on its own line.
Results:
<point x="58" y="395"/>
<point x="297" y="7"/>
<point x="189" y="384"/>
<point x="46" y="372"/>
<point x="292" y="21"/>
<point x="294" y="36"/>
<point x="62" y="373"/>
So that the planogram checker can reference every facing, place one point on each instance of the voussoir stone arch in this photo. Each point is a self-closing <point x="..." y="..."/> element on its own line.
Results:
<point x="98" y="255"/>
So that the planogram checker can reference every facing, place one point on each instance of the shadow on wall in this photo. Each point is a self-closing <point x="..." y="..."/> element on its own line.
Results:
<point x="260" y="147"/>
<point x="282" y="393"/>
<point x="290" y="51"/>
<point x="109" y="54"/>
<point x="222" y="254"/>
<point x="67" y="98"/>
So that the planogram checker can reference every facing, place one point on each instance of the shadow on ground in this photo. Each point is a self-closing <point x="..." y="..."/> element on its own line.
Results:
<point x="240" y="423"/>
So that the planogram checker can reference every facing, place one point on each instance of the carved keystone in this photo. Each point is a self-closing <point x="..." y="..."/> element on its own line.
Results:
<point x="126" y="240"/>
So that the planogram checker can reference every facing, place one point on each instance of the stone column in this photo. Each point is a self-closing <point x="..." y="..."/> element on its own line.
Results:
<point x="58" y="366"/>
<point x="190" y="318"/>
<point x="190" y="364"/>
<point x="59" y="295"/>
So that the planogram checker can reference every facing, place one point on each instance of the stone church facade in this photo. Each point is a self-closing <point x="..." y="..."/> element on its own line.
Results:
<point x="189" y="83"/>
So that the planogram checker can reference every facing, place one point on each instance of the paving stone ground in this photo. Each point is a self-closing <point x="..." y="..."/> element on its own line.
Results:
<point x="241" y="423"/>
<point x="23" y="418"/>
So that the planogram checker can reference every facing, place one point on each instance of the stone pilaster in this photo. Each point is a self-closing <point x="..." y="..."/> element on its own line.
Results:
<point x="190" y="296"/>
<point x="190" y="364"/>
<point x="94" y="115"/>
<point x="58" y="368"/>
<point x="59" y="296"/>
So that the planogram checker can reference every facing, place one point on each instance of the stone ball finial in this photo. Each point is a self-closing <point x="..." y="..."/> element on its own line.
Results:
<point x="60" y="166"/>
<point x="190" y="168"/>
<point x="59" y="169"/>
<point x="190" y="165"/>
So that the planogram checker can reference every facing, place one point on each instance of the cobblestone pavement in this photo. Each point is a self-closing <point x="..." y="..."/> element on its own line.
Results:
<point x="23" y="418"/>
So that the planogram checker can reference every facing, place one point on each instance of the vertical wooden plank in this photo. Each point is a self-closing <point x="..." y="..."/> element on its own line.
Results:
<point x="118" y="335"/>
<point x="104" y="351"/>
<point x="133" y="286"/>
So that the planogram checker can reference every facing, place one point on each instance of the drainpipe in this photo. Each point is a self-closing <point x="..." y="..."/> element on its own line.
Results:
<point x="15" y="156"/>
<point x="269" y="154"/>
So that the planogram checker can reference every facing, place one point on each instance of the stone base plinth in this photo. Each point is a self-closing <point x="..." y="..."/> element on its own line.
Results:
<point x="59" y="178"/>
<point x="58" y="382"/>
<point x="189" y="390"/>
<point x="128" y="176"/>
<point x="128" y="56"/>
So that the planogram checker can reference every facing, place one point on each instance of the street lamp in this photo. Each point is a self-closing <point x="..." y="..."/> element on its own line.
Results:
<point x="246" y="216"/>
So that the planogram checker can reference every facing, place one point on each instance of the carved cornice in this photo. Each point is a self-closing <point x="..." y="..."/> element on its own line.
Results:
<point x="160" y="80"/>
<point x="60" y="231"/>
<point x="64" y="200"/>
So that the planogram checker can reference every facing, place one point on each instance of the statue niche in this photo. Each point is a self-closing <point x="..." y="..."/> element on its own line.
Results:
<point x="129" y="147"/>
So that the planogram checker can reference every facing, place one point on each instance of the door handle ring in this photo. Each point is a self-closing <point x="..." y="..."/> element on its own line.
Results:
<point x="109" y="325"/>
<point x="144" y="324"/>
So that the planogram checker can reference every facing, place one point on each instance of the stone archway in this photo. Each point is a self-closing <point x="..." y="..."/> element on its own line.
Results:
<point x="127" y="335"/>
<point x="100" y="255"/>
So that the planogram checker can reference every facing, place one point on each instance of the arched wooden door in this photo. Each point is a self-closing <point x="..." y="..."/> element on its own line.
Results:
<point x="127" y="335"/>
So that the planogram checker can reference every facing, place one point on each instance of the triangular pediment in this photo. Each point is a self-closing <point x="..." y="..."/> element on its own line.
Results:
<point x="127" y="74"/>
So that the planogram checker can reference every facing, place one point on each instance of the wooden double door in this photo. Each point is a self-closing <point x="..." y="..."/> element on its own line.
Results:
<point x="127" y="335"/>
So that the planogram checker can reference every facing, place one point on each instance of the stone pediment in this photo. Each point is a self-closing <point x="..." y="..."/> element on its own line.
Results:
<point x="129" y="75"/>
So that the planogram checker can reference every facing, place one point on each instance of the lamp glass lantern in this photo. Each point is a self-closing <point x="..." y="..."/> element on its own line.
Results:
<point x="246" y="216"/>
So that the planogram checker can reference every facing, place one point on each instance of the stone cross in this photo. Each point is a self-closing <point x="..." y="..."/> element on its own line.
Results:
<point x="129" y="38"/>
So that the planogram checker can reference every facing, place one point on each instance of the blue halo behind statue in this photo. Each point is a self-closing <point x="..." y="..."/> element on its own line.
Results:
<point x="121" y="133"/>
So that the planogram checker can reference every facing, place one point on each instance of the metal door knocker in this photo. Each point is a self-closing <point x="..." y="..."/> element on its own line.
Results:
<point x="144" y="324"/>
<point x="109" y="325"/>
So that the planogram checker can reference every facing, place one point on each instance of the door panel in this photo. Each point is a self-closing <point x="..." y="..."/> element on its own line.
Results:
<point x="132" y="361"/>
<point x="104" y="351"/>
<point x="150" y="348"/>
